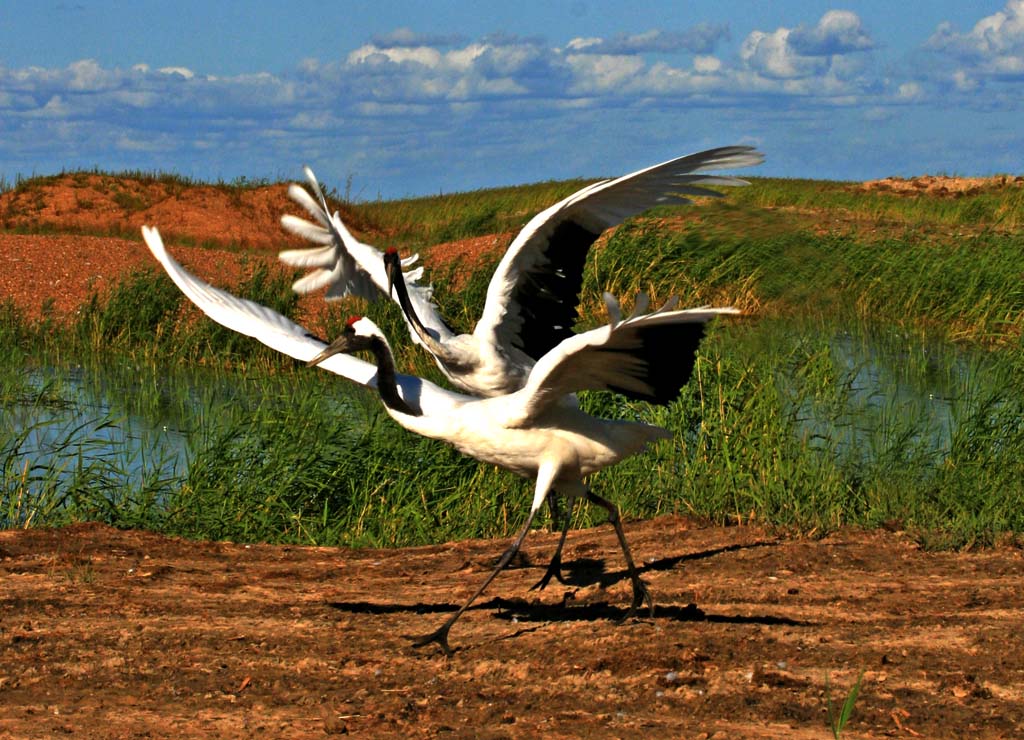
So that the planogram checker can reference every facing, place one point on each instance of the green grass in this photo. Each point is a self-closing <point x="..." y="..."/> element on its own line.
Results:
<point x="970" y="289"/>
<point x="283" y="453"/>
<point x="175" y="181"/>
<point x="418" y="222"/>
<point x="999" y="208"/>
<point x="837" y="722"/>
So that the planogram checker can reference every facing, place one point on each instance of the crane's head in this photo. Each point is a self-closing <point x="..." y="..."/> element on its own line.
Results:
<point x="359" y="334"/>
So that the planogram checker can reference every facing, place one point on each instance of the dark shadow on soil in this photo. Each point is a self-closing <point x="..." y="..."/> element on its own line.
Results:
<point x="523" y="611"/>
<point x="584" y="572"/>
<point x="527" y="611"/>
<point x="587" y="571"/>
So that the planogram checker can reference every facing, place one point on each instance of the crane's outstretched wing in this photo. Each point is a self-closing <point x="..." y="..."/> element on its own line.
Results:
<point x="532" y="298"/>
<point x="346" y="265"/>
<point x="284" y="335"/>
<point x="648" y="357"/>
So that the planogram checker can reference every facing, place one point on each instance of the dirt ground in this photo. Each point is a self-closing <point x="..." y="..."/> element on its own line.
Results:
<point x="938" y="186"/>
<point x="111" y="634"/>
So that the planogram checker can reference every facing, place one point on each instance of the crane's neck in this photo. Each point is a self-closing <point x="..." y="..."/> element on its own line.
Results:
<point x="387" y="384"/>
<point x="398" y="283"/>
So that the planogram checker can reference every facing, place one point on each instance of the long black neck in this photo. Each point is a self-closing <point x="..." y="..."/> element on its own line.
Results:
<point x="398" y="283"/>
<point x="387" y="386"/>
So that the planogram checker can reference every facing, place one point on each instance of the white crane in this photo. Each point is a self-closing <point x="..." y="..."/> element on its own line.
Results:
<point x="532" y="298"/>
<point x="538" y="432"/>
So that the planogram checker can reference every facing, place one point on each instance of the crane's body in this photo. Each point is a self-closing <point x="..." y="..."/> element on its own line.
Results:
<point x="538" y="431"/>
<point x="564" y="441"/>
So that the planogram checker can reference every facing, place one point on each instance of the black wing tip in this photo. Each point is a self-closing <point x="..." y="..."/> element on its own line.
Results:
<point x="669" y="354"/>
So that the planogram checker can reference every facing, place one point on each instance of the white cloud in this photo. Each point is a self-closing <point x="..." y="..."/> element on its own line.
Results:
<point x="463" y="58"/>
<point x="583" y="43"/>
<point x="183" y="72"/>
<point x="963" y="81"/>
<point x="399" y="102"/>
<point x="602" y="73"/>
<point x="999" y="33"/>
<point x="994" y="48"/>
<point x="55" y="107"/>
<point x="838" y="32"/>
<point x="373" y="54"/>
<point x="1008" y="66"/>
<point x="824" y="49"/>
<point x="706" y="64"/>
<point x="771" y="54"/>
<point x="909" y="92"/>
<point x="87" y="75"/>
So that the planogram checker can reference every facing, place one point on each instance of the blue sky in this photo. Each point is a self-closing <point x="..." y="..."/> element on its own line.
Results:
<point x="408" y="98"/>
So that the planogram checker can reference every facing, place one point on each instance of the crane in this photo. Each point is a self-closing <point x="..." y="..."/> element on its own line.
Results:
<point x="532" y="298"/>
<point x="538" y="431"/>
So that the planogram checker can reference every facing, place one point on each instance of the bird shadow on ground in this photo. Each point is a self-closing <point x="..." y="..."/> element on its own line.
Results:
<point x="587" y="571"/>
<point x="521" y="610"/>
<point x="578" y="573"/>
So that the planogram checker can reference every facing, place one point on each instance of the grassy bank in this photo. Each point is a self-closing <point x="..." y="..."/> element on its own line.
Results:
<point x="876" y="382"/>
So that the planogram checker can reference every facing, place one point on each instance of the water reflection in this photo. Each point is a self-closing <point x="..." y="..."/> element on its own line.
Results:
<point x="887" y="394"/>
<point x="63" y="420"/>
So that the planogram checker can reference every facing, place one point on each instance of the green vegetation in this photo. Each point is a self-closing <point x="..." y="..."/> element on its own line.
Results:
<point x="837" y="723"/>
<point x="876" y="382"/>
<point x="175" y="181"/>
<point x="967" y="288"/>
<point x="988" y="207"/>
<point x="417" y="222"/>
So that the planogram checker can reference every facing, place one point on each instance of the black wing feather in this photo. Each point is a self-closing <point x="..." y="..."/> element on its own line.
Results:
<point x="548" y="295"/>
<point x="664" y="360"/>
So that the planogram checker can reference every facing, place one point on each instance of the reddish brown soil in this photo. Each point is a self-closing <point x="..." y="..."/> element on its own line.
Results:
<point x="205" y="214"/>
<point x="55" y="273"/>
<point x="939" y="186"/>
<point x="58" y="272"/>
<point x="108" y="634"/>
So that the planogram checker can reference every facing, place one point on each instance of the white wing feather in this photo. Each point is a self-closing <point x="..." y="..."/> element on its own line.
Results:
<point x="284" y="335"/>
<point x="346" y="265"/>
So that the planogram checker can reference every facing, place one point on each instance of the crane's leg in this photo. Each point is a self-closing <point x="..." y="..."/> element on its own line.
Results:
<point x="555" y="566"/>
<point x="640" y="593"/>
<point x="440" y="635"/>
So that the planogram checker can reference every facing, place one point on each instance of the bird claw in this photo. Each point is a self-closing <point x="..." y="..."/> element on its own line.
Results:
<point x="640" y="596"/>
<point x="440" y="636"/>
<point x="554" y="571"/>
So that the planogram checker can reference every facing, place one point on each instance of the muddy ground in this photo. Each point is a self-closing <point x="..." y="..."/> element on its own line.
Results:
<point x="111" y="634"/>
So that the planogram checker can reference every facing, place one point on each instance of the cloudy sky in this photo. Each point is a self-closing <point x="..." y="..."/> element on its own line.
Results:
<point x="408" y="98"/>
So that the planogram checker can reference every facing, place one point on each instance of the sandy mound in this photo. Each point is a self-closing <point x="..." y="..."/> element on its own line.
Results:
<point x="247" y="217"/>
<point x="938" y="185"/>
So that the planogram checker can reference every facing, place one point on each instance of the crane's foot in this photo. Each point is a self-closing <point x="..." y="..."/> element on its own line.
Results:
<point x="640" y="596"/>
<point x="440" y="636"/>
<point x="554" y="571"/>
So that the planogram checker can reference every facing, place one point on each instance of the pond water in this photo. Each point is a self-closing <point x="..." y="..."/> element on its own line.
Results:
<point x="61" y="421"/>
<point x="888" y="392"/>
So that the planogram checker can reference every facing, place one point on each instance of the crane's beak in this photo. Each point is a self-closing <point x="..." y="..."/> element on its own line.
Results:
<point x="342" y="344"/>
<point x="389" y="268"/>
